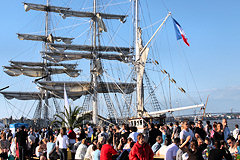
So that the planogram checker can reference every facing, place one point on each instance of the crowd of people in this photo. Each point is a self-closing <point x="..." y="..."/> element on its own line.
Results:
<point x="179" y="141"/>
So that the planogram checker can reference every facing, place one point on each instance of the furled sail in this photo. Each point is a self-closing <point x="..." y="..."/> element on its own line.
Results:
<point x="40" y="64"/>
<point x="66" y="56"/>
<point x="86" y="87"/>
<point x="66" y="12"/>
<point x="123" y="50"/>
<point x="50" y="38"/>
<point x="23" y="95"/>
<point x="35" y="95"/>
<point x="38" y="71"/>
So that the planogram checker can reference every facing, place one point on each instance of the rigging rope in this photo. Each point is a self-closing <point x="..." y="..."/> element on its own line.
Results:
<point x="114" y="4"/>
<point x="194" y="81"/>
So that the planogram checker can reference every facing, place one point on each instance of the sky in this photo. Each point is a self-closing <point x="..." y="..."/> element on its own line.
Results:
<point x="212" y="29"/>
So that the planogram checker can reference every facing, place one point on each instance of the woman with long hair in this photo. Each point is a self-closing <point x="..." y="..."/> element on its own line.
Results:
<point x="219" y="134"/>
<point x="62" y="144"/>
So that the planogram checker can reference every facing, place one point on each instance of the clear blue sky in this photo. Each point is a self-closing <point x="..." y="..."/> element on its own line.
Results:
<point x="212" y="28"/>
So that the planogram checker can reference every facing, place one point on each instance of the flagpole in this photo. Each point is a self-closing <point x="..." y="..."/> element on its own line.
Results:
<point x="169" y="13"/>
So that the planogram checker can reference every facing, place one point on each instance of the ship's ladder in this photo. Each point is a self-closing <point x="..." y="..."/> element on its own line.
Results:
<point x="154" y="102"/>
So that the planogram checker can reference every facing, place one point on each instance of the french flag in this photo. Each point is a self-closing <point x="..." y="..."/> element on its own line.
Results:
<point x="179" y="32"/>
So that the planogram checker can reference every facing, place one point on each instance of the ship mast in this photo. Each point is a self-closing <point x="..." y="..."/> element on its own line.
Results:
<point x="45" y="113"/>
<point x="137" y="57"/>
<point x="93" y="68"/>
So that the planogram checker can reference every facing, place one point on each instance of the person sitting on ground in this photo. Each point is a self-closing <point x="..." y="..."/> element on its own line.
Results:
<point x="141" y="150"/>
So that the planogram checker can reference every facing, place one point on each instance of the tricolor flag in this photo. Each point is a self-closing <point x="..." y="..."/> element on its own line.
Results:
<point x="179" y="32"/>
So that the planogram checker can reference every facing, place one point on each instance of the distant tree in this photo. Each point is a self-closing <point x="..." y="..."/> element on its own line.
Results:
<point x="69" y="117"/>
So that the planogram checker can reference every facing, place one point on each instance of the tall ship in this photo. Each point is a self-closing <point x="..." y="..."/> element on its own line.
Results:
<point x="106" y="61"/>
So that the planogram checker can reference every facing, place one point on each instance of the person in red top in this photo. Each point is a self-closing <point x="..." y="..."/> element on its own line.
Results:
<point x="107" y="151"/>
<point x="141" y="150"/>
<point x="72" y="141"/>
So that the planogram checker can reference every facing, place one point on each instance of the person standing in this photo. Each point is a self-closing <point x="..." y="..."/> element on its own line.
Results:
<point x="208" y="128"/>
<point x="141" y="150"/>
<point x="62" y="143"/>
<point x="236" y="132"/>
<point x="89" y="132"/>
<point x="97" y="153"/>
<point x="153" y="133"/>
<point x="4" y="146"/>
<point x="218" y="134"/>
<point x="176" y="130"/>
<point x="186" y="132"/>
<point x="72" y="141"/>
<point x="226" y="130"/>
<point x="199" y="130"/>
<point x="22" y="141"/>
<point x="81" y="150"/>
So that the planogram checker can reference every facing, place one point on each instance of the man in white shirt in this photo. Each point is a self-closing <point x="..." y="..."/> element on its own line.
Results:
<point x="172" y="149"/>
<point x="186" y="132"/>
<point x="62" y="143"/>
<point x="88" y="155"/>
<point x="236" y="131"/>
<point x="133" y="134"/>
